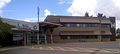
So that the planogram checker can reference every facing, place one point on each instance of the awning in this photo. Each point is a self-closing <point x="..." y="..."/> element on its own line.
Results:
<point x="49" y="24"/>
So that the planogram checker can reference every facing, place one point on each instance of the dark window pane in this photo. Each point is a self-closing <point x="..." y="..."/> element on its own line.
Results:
<point x="73" y="25"/>
<point x="105" y="26"/>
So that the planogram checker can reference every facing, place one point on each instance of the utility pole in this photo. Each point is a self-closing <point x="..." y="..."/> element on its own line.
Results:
<point x="38" y="41"/>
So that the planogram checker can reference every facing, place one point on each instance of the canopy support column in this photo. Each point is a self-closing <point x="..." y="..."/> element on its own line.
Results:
<point x="51" y="39"/>
<point x="24" y="38"/>
<point x="45" y="36"/>
<point x="38" y="38"/>
<point x="51" y="35"/>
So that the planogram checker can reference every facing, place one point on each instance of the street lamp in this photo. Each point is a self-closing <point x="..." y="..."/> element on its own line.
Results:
<point x="38" y="26"/>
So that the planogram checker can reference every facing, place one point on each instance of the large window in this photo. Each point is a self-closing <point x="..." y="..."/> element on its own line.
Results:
<point x="73" y="25"/>
<point x="63" y="37"/>
<point x="66" y="25"/>
<point x="91" y="25"/>
<point x="70" y="25"/>
<point x="80" y="25"/>
<point x="105" y="26"/>
<point x="105" y="36"/>
<point x="79" y="37"/>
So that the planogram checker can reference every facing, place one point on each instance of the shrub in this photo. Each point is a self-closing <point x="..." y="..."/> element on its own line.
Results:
<point x="5" y="34"/>
<point x="118" y="36"/>
<point x="0" y="46"/>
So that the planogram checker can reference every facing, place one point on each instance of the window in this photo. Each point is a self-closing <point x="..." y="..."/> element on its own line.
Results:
<point x="66" y="25"/>
<point x="95" y="25"/>
<point x="105" y="26"/>
<point x="73" y="25"/>
<point x="70" y="25"/>
<point x="63" y="37"/>
<point x="80" y="25"/>
<point x="105" y="37"/>
<point x="91" y="25"/>
<point x="79" y="37"/>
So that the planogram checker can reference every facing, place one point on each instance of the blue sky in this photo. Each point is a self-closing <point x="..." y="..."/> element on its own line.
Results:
<point x="22" y="9"/>
<point x="26" y="10"/>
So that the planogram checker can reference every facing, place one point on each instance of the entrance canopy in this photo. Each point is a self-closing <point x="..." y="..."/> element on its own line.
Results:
<point x="49" y="24"/>
<point x="45" y="32"/>
<point x="43" y="35"/>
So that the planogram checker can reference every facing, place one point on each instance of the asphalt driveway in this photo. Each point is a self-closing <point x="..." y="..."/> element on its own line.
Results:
<point x="66" y="48"/>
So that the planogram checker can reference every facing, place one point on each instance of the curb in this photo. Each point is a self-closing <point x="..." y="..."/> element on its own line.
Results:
<point x="11" y="48"/>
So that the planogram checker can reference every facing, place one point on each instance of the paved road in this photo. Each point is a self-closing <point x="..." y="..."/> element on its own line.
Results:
<point x="110" y="45"/>
<point x="67" y="48"/>
<point x="74" y="49"/>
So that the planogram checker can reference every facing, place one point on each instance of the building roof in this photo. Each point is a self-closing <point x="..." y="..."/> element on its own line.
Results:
<point x="78" y="19"/>
<point x="28" y="26"/>
<point x="41" y="24"/>
<point x="48" y="24"/>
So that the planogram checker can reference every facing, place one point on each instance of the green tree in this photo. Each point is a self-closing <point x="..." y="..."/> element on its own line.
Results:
<point x="5" y="34"/>
<point x="118" y="32"/>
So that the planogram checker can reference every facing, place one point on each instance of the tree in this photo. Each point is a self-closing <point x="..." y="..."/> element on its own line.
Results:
<point x="100" y="15"/>
<point x="118" y="33"/>
<point x="86" y="14"/>
<point x="5" y="34"/>
<point x="118" y="30"/>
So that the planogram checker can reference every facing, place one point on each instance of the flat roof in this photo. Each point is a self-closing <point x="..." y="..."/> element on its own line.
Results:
<point x="79" y="19"/>
<point x="49" y="24"/>
<point x="41" y="24"/>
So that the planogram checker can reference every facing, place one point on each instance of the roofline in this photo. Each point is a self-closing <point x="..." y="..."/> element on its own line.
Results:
<point x="51" y="23"/>
<point x="74" y="16"/>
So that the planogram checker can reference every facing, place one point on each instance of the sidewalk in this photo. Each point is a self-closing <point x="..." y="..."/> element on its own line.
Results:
<point x="12" y="48"/>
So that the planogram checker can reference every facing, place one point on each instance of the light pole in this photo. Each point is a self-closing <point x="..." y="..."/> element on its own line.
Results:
<point x="38" y="27"/>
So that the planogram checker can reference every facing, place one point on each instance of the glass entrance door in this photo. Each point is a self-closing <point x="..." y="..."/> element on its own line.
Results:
<point x="31" y="38"/>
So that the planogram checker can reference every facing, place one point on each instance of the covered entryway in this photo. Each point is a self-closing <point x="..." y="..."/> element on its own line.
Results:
<point x="45" y="32"/>
<point x="43" y="35"/>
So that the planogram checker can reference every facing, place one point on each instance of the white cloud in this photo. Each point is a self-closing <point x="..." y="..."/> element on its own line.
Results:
<point x="117" y="2"/>
<point x="47" y="12"/>
<point x="54" y="14"/>
<point x="118" y="24"/>
<point x="61" y="1"/>
<point x="3" y="3"/>
<point x="27" y="20"/>
<point x="107" y="7"/>
<point x="64" y="1"/>
<point x="79" y="7"/>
